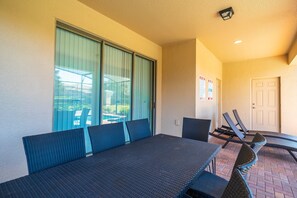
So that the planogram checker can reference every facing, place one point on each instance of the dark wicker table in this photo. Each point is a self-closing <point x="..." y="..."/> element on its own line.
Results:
<point x="160" y="166"/>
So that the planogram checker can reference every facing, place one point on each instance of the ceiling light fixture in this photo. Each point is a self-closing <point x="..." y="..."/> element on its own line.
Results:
<point x="227" y="13"/>
<point x="237" y="42"/>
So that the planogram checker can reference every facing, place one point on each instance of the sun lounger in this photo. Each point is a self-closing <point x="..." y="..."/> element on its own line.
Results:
<point x="234" y="135"/>
<point x="264" y="133"/>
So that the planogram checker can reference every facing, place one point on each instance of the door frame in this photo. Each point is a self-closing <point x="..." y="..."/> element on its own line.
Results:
<point x="218" y="122"/>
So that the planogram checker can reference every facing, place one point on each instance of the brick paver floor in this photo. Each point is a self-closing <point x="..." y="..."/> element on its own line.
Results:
<point x="274" y="175"/>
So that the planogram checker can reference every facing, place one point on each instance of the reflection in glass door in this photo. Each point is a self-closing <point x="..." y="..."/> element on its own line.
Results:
<point x="96" y="82"/>
<point x="76" y="80"/>
<point x="116" y="94"/>
<point x="143" y="89"/>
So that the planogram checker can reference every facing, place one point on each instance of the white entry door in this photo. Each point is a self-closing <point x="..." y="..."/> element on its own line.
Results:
<point x="265" y="104"/>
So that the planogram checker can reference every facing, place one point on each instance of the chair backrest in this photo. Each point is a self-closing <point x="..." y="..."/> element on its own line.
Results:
<point x="258" y="142"/>
<point x="138" y="129"/>
<point x="51" y="149"/>
<point x="237" y="187"/>
<point x="239" y="121"/>
<point x="196" y="129"/>
<point x="106" y="136"/>
<point x="233" y="127"/>
<point x="246" y="159"/>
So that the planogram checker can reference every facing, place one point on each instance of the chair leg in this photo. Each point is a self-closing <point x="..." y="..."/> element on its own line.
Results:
<point x="214" y="167"/>
<point x="227" y="141"/>
<point x="292" y="154"/>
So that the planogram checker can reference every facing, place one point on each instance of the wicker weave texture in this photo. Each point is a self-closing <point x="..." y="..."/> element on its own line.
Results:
<point x="51" y="149"/>
<point x="158" y="166"/>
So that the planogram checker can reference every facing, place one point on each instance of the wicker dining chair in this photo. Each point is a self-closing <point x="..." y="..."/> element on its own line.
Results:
<point x="196" y="129"/>
<point x="106" y="136"/>
<point x="258" y="142"/>
<point x="138" y="129"/>
<point x="51" y="149"/>
<point x="237" y="187"/>
<point x="211" y="185"/>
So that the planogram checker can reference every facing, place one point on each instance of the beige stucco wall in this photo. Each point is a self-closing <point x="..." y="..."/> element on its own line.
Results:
<point x="209" y="67"/>
<point x="178" y="85"/>
<point x="27" y="37"/>
<point x="237" y="88"/>
<point x="183" y="63"/>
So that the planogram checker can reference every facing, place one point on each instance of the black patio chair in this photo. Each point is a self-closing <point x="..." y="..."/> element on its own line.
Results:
<point x="138" y="129"/>
<point x="51" y="149"/>
<point x="258" y="142"/>
<point x="106" y="136"/>
<point x="196" y="129"/>
<point x="220" y="188"/>
<point x="211" y="185"/>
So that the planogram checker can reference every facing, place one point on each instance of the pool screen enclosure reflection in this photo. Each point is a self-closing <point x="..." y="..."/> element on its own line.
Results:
<point x="96" y="82"/>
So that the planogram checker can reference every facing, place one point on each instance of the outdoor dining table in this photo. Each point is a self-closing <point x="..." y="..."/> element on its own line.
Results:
<point x="158" y="166"/>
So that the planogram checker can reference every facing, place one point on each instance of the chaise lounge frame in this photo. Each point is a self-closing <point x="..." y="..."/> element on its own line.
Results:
<point x="232" y="134"/>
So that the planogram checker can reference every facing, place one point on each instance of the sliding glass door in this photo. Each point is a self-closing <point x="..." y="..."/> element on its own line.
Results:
<point x="116" y="95"/>
<point x="77" y="65"/>
<point x="143" y="89"/>
<point x="99" y="83"/>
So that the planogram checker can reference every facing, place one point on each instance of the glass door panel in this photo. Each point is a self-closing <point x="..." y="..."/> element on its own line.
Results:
<point x="76" y="72"/>
<point x="116" y="92"/>
<point x="142" y="89"/>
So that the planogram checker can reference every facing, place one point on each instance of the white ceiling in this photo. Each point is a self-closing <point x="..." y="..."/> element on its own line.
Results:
<point x="266" y="27"/>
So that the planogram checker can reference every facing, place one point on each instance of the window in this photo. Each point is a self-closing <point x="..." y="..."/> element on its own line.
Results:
<point x="76" y="67"/>
<point x="88" y="93"/>
<point x="117" y="70"/>
<point x="143" y="89"/>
